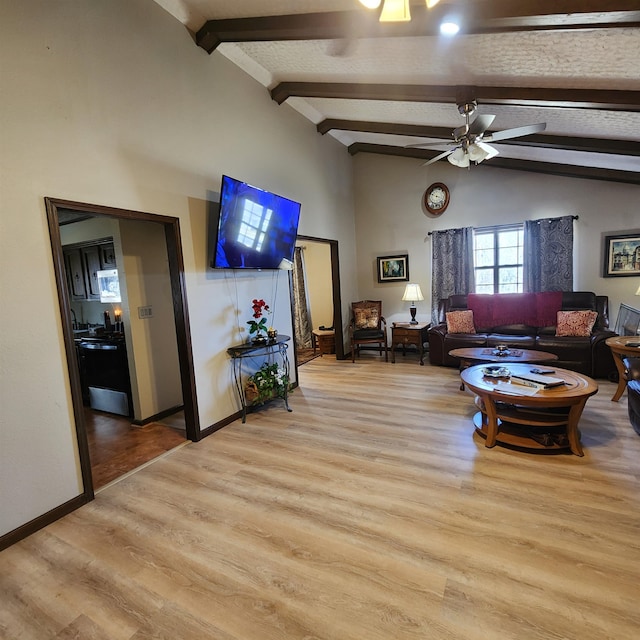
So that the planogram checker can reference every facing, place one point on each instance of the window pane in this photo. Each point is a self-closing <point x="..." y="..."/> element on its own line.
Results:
<point x="484" y="288"/>
<point x="508" y="255"/>
<point x="484" y="276"/>
<point x="484" y="258"/>
<point x="508" y="239"/>
<point x="483" y="241"/>
<point x="508" y="280"/>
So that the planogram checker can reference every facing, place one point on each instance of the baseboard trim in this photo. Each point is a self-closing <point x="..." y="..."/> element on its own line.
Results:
<point x="42" y="521"/>
<point x="158" y="416"/>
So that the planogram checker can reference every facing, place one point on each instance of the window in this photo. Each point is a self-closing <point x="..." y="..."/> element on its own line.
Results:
<point x="498" y="255"/>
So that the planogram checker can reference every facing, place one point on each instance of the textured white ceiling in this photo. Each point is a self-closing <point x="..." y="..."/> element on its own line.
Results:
<point x="602" y="59"/>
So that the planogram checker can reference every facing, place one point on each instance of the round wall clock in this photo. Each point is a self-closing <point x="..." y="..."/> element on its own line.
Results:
<point x="436" y="198"/>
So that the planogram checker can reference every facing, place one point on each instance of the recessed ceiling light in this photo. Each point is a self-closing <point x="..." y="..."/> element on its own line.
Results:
<point x="449" y="28"/>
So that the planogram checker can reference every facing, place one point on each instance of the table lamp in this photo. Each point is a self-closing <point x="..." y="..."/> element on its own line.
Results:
<point x="412" y="293"/>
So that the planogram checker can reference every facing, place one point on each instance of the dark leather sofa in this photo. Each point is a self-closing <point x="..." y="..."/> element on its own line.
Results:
<point x="588" y="355"/>
<point x="632" y="367"/>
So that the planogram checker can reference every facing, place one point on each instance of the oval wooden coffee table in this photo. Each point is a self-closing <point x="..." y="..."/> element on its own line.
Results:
<point x="511" y="416"/>
<point x="621" y="346"/>
<point x="469" y="356"/>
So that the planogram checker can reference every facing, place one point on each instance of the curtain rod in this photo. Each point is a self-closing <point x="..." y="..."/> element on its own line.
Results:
<point x="572" y="217"/>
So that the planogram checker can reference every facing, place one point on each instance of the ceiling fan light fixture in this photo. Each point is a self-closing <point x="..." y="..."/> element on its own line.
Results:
<point x="459" y="158"/>
<point x="395" y="11"/>
<point x="432" y="3"/>
<point x="371" y="4"/>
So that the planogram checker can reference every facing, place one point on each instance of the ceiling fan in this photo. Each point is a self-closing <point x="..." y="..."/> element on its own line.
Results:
<point x="470" y="140"/>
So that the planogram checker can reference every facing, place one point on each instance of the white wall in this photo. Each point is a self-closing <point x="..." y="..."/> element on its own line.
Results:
<point x="390" y="219"/>
<point x="110" y="102"/>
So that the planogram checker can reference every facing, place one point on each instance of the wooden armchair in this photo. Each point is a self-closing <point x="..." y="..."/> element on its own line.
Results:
<point x="368" y="326"/>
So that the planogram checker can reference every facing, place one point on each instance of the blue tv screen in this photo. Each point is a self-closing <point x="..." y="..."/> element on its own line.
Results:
<point x="256" y="228"/>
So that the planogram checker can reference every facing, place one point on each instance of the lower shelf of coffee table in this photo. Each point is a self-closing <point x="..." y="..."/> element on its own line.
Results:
<point x="524" y="435"/>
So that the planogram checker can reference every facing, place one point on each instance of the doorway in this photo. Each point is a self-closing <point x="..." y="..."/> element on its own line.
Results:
<point x="324" y="274"/>
<point x="61" y="211"/>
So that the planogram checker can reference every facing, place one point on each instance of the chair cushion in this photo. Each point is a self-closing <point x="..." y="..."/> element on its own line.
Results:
<point x="460" y="322"/>
<point x="576" y="323"/>
<point x="368" y="334"/>
<point x="366" y="318"/>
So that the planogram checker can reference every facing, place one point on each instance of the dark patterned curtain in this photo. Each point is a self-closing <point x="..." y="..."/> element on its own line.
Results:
<point x="301" y="315"/>
<point x="452" y="265"/>
<point x="548" y="254"/>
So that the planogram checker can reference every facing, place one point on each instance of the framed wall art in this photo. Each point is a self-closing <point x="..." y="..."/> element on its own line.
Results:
<point x="622" y="255"/>
<point x="393" y="268"/>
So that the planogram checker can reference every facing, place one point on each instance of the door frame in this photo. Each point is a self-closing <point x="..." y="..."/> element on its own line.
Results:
<point x="180" y="309"/>
<point x="336" y="296"/>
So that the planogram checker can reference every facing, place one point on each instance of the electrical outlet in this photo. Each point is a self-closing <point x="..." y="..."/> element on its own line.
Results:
<point x="145" y="312"/>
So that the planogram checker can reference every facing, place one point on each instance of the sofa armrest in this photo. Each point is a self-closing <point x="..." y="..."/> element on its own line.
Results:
<point x="602" y="364"/>
<point x="436" y="336"/>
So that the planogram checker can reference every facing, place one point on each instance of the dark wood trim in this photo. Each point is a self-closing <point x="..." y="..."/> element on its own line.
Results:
<point x="42" y="521"/>
<point x="336" y="295"/>
<point x="64" y="302"/>
<point x="556" y="169"/>
<point x="592" y="145"/>
<point x="608" y="100"/>
<point x="183" y="330"/>
<point x="158" y="416"/>
<point x="478" y="17"/>
<point x="187" y="372"/>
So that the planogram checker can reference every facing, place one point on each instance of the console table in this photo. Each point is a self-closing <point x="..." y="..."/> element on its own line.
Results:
<point x="405" y="333"/>
<point x="276" y="348"/>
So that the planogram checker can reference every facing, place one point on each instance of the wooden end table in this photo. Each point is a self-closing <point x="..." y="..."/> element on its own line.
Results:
<point x="323" y="339"/>
<point x="405" y="333"/>
<point x="620" y="348"/>
<point x="511" y="418"/>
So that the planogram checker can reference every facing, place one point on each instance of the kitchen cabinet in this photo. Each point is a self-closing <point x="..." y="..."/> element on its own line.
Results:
<point x="82" y="263"/>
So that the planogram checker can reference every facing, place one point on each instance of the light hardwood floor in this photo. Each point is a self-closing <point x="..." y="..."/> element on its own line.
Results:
<point x="370" y="512"/>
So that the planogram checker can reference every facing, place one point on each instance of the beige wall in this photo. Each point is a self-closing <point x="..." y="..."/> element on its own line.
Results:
<point x="110" y="102"/>
<point x="390" y="219"/>
<point x="317" y="263"/>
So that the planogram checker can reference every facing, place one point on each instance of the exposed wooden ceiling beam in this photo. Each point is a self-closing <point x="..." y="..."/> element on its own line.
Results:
<point x="480" y="17"/>
<point x="609" y="100"/>
<point x="592" y="145"/>
<point x="572" y="171"/>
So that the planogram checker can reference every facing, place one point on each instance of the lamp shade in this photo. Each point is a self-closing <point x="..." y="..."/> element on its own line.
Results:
<point x="285" y="265"/>
<point x="638" y="292"/>
<point x="395" y="11"/>
<point x="412" y="292"/>
<point x="370" y="4"/>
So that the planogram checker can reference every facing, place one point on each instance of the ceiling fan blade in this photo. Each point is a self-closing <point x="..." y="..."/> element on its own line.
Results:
<point x="515" y="133"/>
<point x="442" y="155"/>
<point x="481" y="124"/>
<point x="428" y="144"/>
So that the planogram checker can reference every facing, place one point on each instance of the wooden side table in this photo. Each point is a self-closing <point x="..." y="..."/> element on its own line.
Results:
<point x="405" y="333"/>
<point x="325" y="340"/>
<point x="620" y="348"/>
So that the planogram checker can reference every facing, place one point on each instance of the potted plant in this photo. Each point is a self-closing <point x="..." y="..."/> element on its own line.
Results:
<point x="269" y="381"/>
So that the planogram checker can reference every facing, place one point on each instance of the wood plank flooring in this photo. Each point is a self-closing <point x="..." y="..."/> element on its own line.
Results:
<point x="372" y="512"/>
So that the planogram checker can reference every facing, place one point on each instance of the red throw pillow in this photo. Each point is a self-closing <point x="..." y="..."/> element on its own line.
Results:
<point x="460" y="322"/>
<point x="576" y="323"/>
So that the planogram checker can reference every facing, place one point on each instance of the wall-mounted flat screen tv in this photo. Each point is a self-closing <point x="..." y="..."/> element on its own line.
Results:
<point x="256" y="228"/>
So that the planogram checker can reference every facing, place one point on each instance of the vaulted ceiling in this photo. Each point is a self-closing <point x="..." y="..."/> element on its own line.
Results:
<point x="381" y="87"/>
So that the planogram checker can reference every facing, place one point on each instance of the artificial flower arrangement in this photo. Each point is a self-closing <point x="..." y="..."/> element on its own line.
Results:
<point x="269" y="381"/>
<point x="259" y="323"/>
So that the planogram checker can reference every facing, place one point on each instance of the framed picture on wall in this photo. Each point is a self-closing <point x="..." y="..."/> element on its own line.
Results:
<point x="393" y="268"/>
<point x="622" y="255"/>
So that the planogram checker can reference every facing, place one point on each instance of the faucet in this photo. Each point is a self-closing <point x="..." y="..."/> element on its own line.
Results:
<point x="74" y="324"/>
